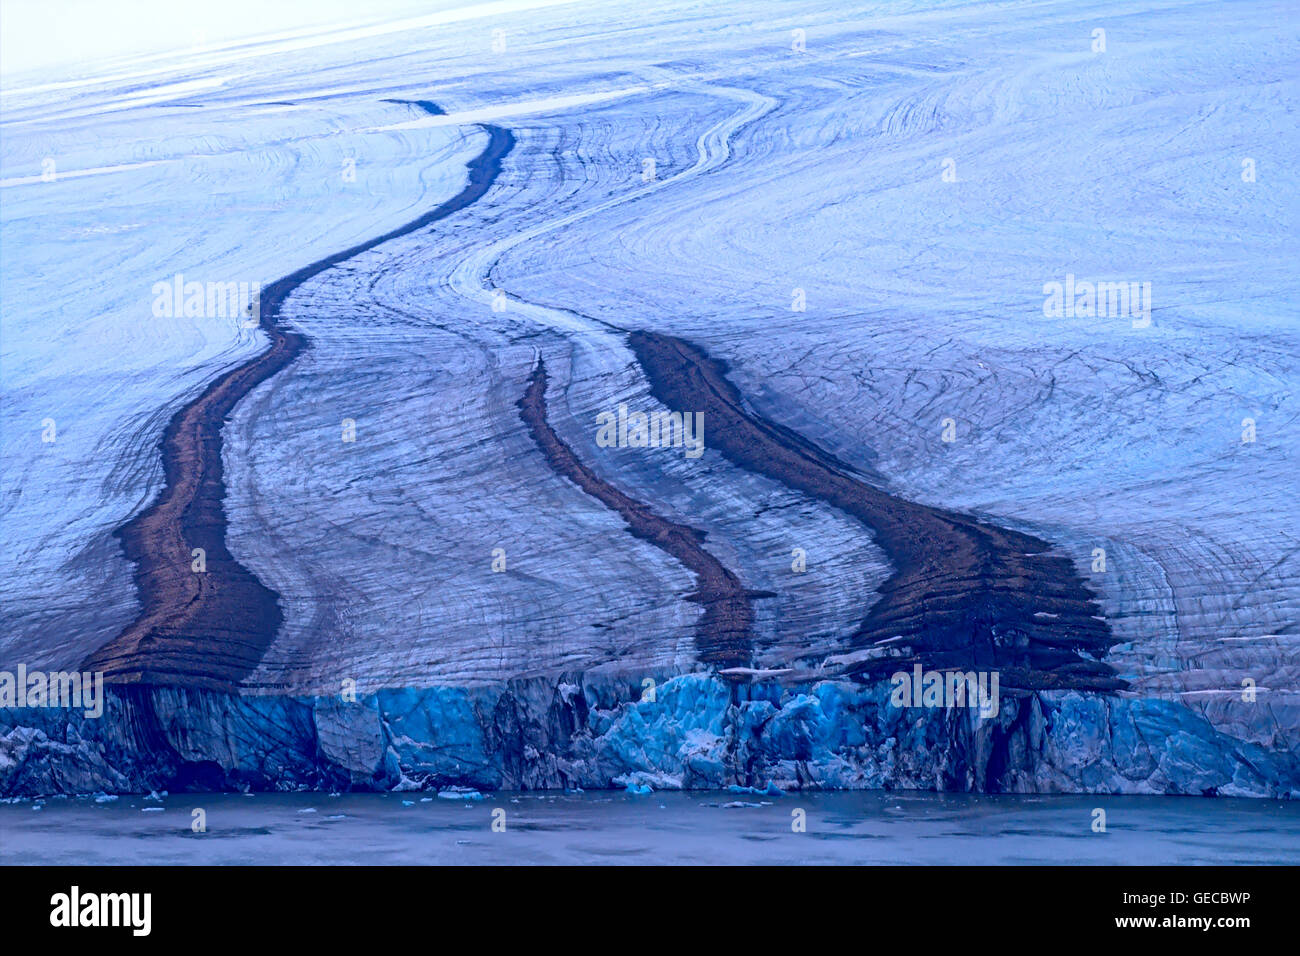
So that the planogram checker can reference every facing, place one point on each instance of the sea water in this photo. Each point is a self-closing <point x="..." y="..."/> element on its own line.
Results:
<point x="656" y="828"/>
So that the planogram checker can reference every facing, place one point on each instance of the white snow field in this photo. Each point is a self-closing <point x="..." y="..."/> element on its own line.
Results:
<point x="858" y="207"/>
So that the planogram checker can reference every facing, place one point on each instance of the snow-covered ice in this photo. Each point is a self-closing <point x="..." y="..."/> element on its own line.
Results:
<point x="861" y="208"/>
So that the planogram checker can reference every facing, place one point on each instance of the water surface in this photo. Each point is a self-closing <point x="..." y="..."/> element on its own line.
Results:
<point x="658" y="828"/>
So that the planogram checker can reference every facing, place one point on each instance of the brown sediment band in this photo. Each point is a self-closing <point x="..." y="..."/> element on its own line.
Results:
<point x="723" y="633"/>
<point x="965" y="593"/>
<point x="211" y="629"/>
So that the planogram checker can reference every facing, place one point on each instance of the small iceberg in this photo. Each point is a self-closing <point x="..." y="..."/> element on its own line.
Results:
<point x="771" y="790"/>
<point x="459" y="793"/>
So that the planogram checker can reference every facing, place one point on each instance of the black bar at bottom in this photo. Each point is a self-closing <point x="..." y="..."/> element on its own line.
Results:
<point x="326" y="904"/>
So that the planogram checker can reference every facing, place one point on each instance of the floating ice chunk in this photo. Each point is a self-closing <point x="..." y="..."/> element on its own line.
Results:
<point x="460" y="793"/>
<point x="771" y="790"/>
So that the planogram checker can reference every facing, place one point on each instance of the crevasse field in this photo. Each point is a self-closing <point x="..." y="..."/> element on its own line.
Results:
<point x="859" y="208"/>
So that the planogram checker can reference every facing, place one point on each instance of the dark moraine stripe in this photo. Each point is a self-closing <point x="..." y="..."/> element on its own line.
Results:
<point x="211" y="629"/>
<point x="965" y="593"/>
<point x="723" y="632"/>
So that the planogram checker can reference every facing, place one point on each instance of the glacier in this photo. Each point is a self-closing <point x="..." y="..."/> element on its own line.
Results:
<point x="857" y="208"/>
<point x="696" y="732"/>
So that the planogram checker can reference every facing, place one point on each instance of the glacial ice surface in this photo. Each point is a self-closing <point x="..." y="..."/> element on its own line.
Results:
<point x="775" y="170"/>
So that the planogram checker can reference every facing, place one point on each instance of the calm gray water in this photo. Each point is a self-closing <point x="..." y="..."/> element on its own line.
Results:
<point x="659" y="828"/>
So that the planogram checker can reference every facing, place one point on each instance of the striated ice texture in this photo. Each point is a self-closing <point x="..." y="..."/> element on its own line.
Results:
<point x="914" y="172"/>
<point x="697" y="732"/>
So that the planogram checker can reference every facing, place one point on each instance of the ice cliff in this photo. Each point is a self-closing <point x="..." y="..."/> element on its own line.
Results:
<point x="690" y="731"/>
